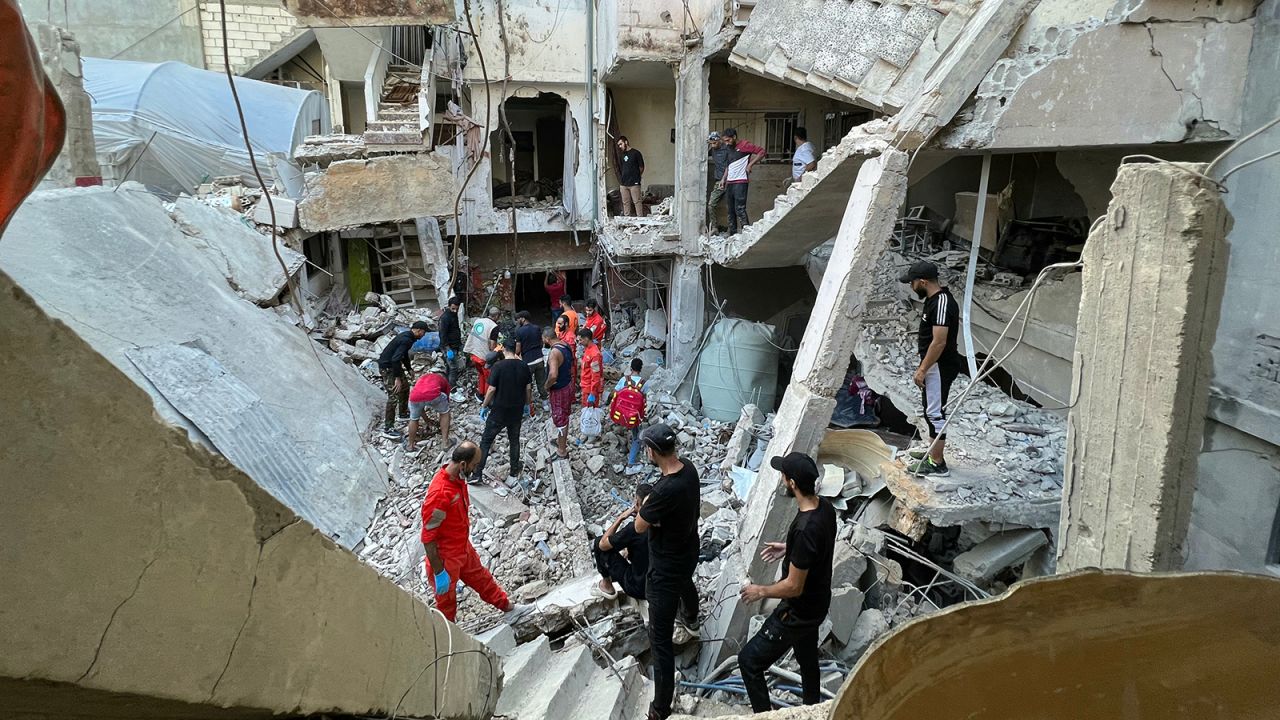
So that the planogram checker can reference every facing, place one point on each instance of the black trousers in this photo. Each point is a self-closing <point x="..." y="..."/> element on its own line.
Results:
<point x="736" y="194"/>
<point x="612" y="565"/>
<point x="396" y="399"/>
<point x="666" y="595"/>
<point x="500" y="419"/>
<point x="775" y="638"/>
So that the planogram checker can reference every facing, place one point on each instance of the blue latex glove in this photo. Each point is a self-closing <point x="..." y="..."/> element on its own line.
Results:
<point x="591" y="399"/>
<point x="449" y="355"/>
<point x="484" y="413"/>
<point x="442" y="582"/>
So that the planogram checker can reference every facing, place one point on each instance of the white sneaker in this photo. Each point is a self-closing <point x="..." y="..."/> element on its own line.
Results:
<point x="684" y="633"/>
<point x="518" y="612"/>
<point x="633" y="470"/>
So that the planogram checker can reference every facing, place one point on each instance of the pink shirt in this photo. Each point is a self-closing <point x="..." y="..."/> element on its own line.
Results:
<point x="428" y="388"/>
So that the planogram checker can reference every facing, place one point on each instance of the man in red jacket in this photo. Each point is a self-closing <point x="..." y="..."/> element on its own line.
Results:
<point x="446" y="538"/>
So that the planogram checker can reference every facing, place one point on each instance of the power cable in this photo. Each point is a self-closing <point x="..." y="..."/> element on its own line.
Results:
<point x="484" y="138"/>
<point x="158" y="29"/>
<point x="1231" y="148"/>
<point x="370" y="40"/>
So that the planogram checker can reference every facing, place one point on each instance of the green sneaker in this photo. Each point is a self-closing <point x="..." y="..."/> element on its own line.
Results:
<point x="918" y="453"/>
<point x="926" y="466"/>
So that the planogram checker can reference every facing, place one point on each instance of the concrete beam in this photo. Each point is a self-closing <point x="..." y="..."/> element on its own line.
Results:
<point x="167" y="575"/>
<point x="371" y="13"/>
<point x="693" y="118"/>
<point x="382" y="189"/>
<point x="687" y="316"/>
<point x="1154" y="271"/>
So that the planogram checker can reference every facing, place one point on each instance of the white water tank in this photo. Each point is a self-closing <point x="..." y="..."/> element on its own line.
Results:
<point x="739" y="365"/>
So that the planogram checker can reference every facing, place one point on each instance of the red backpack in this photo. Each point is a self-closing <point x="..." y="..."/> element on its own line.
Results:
<point x="628" y="406"/>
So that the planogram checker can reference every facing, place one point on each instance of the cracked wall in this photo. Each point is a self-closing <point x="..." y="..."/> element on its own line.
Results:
<point x="384" y="189"/>
<point x="140" y="563"/>
<point x="1092" y="74"/>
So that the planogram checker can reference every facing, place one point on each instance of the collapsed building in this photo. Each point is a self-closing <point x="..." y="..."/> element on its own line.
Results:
<point x="473" y="153"/>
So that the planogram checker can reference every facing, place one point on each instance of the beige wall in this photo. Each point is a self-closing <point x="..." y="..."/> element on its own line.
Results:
<point x="254" y="28"/>
<point x="646" y="116"/>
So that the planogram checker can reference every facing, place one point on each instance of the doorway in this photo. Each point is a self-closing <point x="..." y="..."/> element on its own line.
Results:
<point x="531" y="295"/>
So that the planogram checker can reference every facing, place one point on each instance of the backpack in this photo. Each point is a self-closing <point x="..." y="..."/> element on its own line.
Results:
<point x="628" y="406"/>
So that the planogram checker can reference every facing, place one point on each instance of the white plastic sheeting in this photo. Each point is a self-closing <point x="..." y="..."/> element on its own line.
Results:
<point x="186" y="120"/>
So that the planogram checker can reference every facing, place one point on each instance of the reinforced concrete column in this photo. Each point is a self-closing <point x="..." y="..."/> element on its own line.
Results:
<point x="687" y="319"/>
<point x="693" y="120"/>
<point x="1154" y="271"/>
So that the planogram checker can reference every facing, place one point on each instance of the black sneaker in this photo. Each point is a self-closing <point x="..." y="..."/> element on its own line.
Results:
<point x="926" y="466"/>
<point x="392" y="434"/>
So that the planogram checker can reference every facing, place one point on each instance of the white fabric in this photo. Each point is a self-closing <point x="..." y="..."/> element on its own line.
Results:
<point x="187" y="121"/>
<point x="478" y="337"/>
<point x="933" y="399"/>
<point x="802" y="157"/>
<point x="738" y="169"/>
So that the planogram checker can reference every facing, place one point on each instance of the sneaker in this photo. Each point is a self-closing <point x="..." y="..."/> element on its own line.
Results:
<point x="500" y="490"/>
<point x="926" y="466"/>
<point x="685" y="633"/>
<point x="518" y="612"/>
<point x="633" y="470"/>
<point x="392" y="434"/>
<point x="600" y="592"/>
<point x="918" y="453"/>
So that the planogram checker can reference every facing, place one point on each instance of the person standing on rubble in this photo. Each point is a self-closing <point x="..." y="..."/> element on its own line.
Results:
<point x="940" y="362"/>
<point x="743" y="157"/>
<point x="630" y="398"/>
<point x="804" y="159"/>
<point x="559" y="387"/>
<point x="446" y="539"/>
<point x="451" y="340"/>
<point x="567" y="323"/>
<point x="805" y="587"/>
<point x="670" y="518"/>
<point x="718" y="153"/>
<point x="630" y="174"/>
<point x="591" y="373"/>
<point x="397" y="376"/>
<point x="622" y="554"/>
<point x="594" y="320"/>
<point x="507" y="401"/>
<point x="529" y="348"/>
<point x="431" y="391"/>
<point x="482" y="339"/>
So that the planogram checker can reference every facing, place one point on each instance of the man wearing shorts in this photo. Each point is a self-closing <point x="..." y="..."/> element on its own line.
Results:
<point x="430" y="391"/>
<point x="940" y="362"/>
<point x="559" y="387"/>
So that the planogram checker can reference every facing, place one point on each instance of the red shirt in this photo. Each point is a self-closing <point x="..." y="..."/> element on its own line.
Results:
<point x="453" y="534"/>
<point x="429" y="387"/>
<point x="555" y="290"/>
<point x="595" y="323"/>
<point x="592" y="371"/>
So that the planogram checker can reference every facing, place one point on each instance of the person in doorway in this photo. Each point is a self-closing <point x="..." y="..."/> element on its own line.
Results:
<point x="567" y="324"/>
<point x="804" y="159"/>
<point x="737" y="174"/>
<point x="397" y="375"/>
<point x="632" y="381"/>
<point x="430" y="391"/>
<point x="670" y="518"/>
<point x="718" y="152"/>
<point x="451" y="340"/>
<point x="555" y="284"/>
<point x="622" y="554"/>
<point x="506" y="403"/>
<point x="559" y="387"/>
<point x="482" y="339"/>
<point x="593" y="320"/>
<point x="529" y="348"/>
<point x="630" y="172"/>
<point x="446" y="539"/>
<point x="591" y="370"/>
<point x="940" y="362"/>
<point x="805" y="587"/>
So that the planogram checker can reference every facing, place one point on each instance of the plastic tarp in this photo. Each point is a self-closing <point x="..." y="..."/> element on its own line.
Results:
<point x="176" y="126"/>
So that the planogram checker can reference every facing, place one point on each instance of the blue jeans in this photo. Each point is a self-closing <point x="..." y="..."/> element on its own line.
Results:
<point x="635" y="446"/>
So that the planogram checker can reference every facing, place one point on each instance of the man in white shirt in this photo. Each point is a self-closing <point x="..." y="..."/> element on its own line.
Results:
<point x="804" y="159"/>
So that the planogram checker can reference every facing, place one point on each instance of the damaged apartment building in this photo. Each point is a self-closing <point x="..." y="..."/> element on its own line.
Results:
<point x="1092" y="177"/>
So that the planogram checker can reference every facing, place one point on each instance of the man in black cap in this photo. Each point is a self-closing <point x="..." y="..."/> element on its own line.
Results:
<point x="670" y="518"/>
<point x="451" y="340"/>
<point x="940" y="361"/>
<point x="507" y="400"/>
<point x="397" y="375"/>
<point x="805" y="587"/>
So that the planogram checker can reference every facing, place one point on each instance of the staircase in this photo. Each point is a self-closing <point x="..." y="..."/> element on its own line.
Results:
<point x="400" y="266"/>
<point x="541" y="683"/>
<point x="396" y="126"/>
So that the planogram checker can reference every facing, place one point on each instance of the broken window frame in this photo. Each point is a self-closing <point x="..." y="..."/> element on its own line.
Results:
<point x="770" y="129"/>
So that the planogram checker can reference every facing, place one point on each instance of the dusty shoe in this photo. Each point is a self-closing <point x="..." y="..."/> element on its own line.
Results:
<point x="918" y="453"/>
<point x="684" y="634"/>
<point x="392" y="434"/>
<point x="598" y="591"/>
<point x="518" y="613"/>
<point x="926" y="466"/>
<point x="634" y="469"/>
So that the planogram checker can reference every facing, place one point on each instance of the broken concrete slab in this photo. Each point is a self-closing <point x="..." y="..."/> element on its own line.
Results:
<point x="846" y="606"/>
<point x="502" y="510"/>
<point x="1002" y="550"/>
<point x="501" y="639"/>
<point x="383" y="189"/>
<point x="242" y="255"/>
<point x="567" y="494"/>
<point x="946" y="501"/>
<point x="123" y="274"/>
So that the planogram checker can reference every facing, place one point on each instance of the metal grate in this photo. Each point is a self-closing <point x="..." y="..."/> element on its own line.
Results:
<point x="771" y="130"/>
<point x="409" y="43"/>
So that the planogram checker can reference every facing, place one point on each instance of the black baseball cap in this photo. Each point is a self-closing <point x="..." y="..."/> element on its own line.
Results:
<point x="797" y="466"/>
<point x="660" y="437"/>
<point x="919" y="270"/>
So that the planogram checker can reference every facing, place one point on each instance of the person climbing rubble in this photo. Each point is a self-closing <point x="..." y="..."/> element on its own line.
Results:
<point x="940" y="362"/>
<point x="559" y="387"/>
<point x="397" y="374"/>
<point x="446" y="539"/>
<point x="451" y="340"/>
<point x="627" y="410"/>
<point x="508" y="399"/>
<point x="430" y="391"/>
<point x="622" y="554"/>
<point x="805" y="587"/>
<point x="670" y="518"/>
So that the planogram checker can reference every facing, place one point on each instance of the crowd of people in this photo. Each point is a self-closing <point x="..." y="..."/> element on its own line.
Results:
<point x="650" y="551"/>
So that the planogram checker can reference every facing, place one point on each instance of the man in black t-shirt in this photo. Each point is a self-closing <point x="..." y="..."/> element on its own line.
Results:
<point x="397" y="376"/>
<point x="630" y="173"/>
<point x="627" y="570"/>
<point x="507" y="400"/>
<point x="529" y="347"/>
<point x="805" y="587"/>
<point x="940" y="361"/>
<point x="670" y="518"/>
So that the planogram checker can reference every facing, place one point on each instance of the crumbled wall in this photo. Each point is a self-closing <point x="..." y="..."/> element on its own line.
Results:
<point x="383" y="189"/>
<point x="370" y="13"/>
<point x="253" y="31"/>
<point x="60" y="56"/>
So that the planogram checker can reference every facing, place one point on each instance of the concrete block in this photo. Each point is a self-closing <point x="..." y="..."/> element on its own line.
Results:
<point x="984" y="560"/>
<point x="847" y="565"/>
<point x="500" y="639"/>
<point x="383" y="189"/>
<point x="870" y="625"/>
<point x="286" y="212"/>
<point x="502" y="510"/>
<point x="567" y="494"/>
<point x="846" y="606"/>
